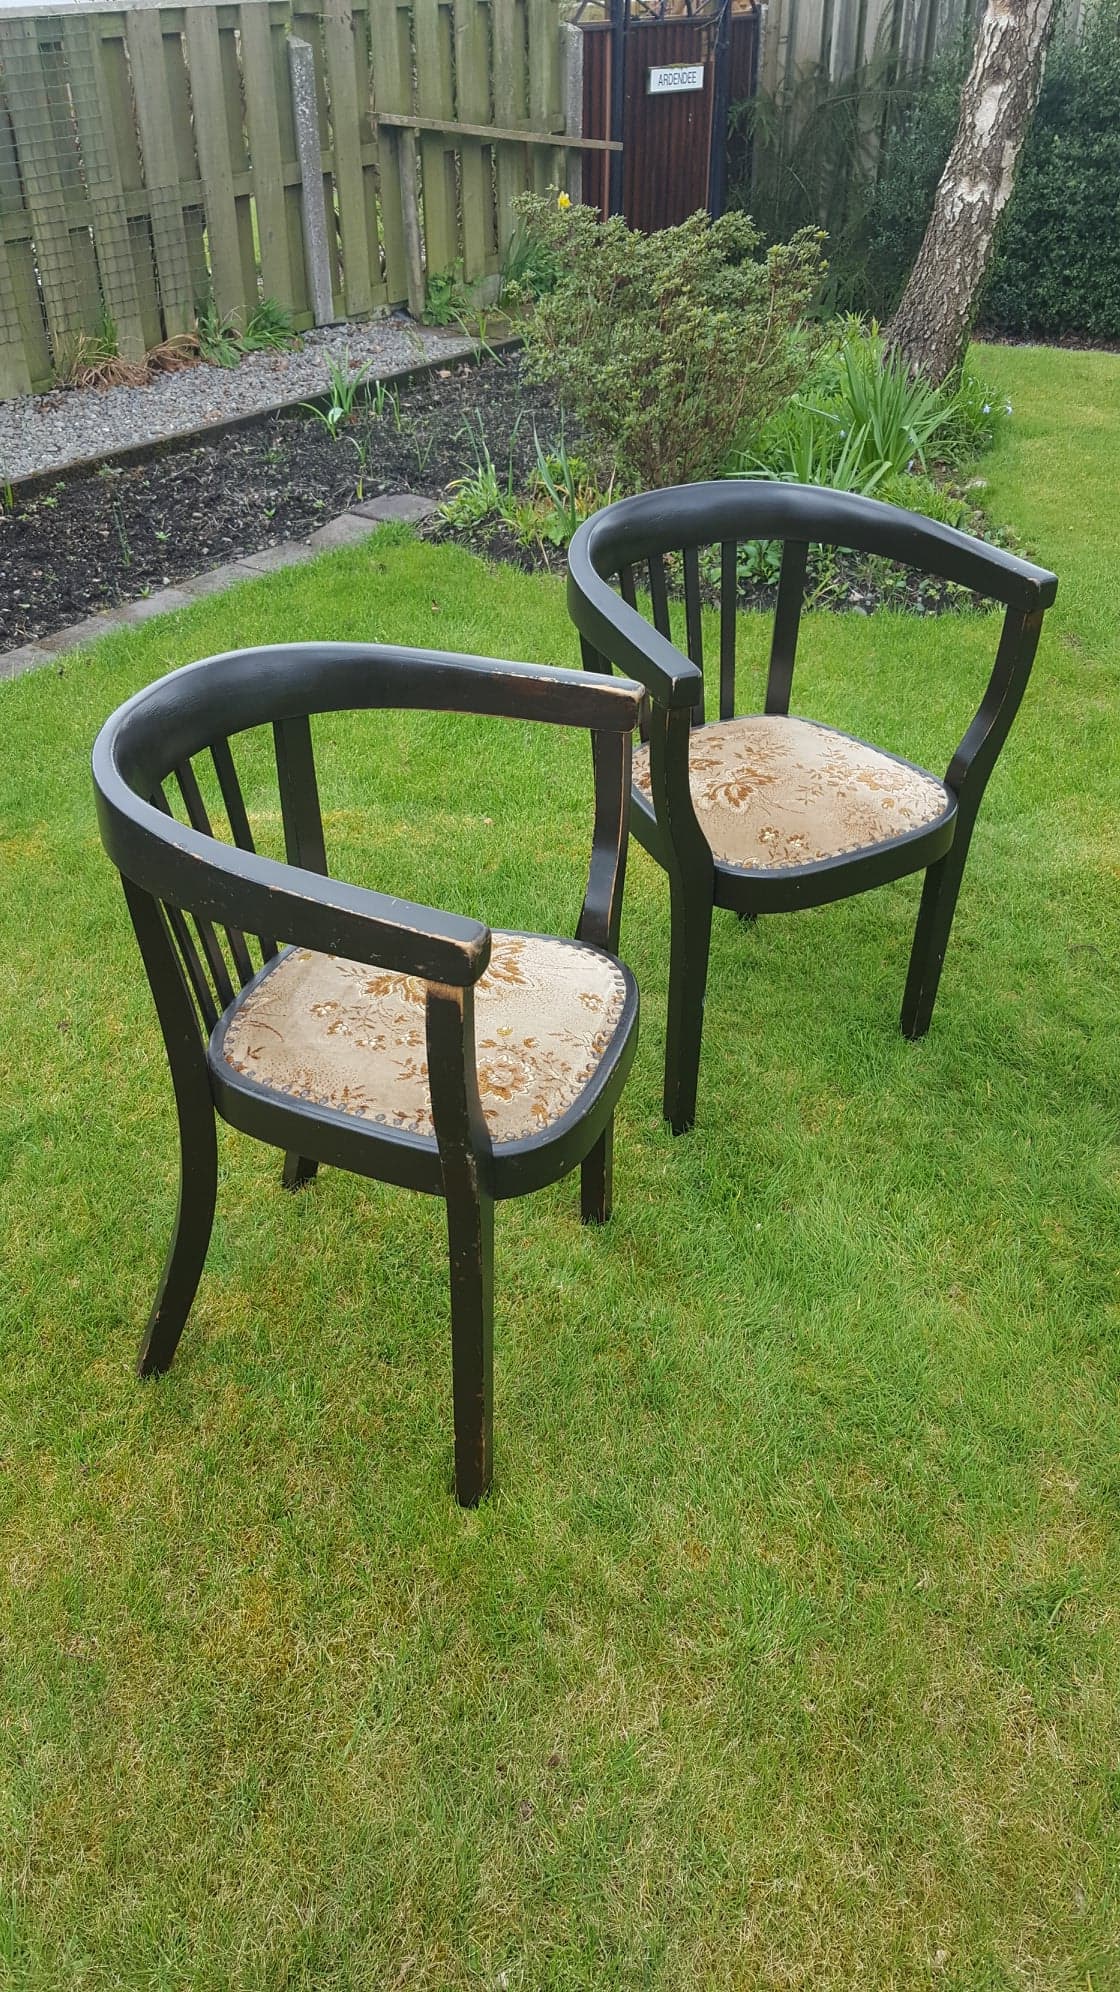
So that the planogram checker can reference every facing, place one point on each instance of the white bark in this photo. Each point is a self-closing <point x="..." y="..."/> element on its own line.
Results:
<point x="931" y="326"/>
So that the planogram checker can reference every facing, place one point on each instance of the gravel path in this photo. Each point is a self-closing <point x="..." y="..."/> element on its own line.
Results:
<point x="68" y="426"/>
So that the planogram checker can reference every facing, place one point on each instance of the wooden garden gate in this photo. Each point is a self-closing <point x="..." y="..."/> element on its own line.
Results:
<point x="679" y="73"/>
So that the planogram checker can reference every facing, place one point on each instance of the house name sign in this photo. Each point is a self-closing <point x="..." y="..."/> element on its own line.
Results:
<point x="676" y="76"/>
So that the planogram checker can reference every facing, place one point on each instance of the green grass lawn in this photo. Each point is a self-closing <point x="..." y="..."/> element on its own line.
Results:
<point x="786" y="1652"/>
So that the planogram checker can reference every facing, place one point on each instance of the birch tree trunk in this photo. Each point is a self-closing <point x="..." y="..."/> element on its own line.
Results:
<point x="931" y="326"/>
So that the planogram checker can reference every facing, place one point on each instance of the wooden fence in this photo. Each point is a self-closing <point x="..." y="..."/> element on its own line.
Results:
<point x="150" y="159"/>
<point x="840" y="36"/>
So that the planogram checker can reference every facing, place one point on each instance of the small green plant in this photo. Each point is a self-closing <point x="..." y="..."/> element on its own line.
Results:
<point x="218" y="338"/>
<point x="976" y="414"/>
<point x="669" y="347"/>
<point x="481" y="494"/>
<point x="422" y="448"/>
<point x="447" y="299"/>
<point x="348" y="385"/>
<point x="268" y="328"/>
<point x="94" y="360"/>
<point x="861" y="422"/>
<point x="566" y="494"/>
<point x="109" y="475"/>
<point x="529" y="268"/>
<point x="222" y="340"/>
<point x="383" y="397"/>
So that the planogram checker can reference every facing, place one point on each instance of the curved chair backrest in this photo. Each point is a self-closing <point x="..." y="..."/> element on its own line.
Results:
<point x="179" y="730"/>
<point x="625" y="545"/>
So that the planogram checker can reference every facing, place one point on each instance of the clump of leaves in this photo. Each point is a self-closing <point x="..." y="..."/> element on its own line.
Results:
<point x="862" y="422"/>
<point x="222" y="341"/>
<point x="94" y="360"/>
<point x="528" y="268"/>
<point x="669" y="347"/>
<point x="447" y="299"/>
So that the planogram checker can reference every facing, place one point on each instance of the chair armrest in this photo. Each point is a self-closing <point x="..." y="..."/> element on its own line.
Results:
<point x="618" y="632"/>
<point x="241" y="889"/>
<point x="748" y="508"/>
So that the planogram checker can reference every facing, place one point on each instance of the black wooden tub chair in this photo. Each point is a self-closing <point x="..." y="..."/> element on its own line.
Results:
<point x="361" y="1030"/>
<point x="770" y="812"/>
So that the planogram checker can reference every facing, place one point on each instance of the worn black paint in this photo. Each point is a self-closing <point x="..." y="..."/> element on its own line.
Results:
<point x="640" y="532"/>
<point x="179" y="880"/>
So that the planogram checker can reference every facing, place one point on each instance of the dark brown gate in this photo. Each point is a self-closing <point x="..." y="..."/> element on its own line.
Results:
<point x="667" y="138"/>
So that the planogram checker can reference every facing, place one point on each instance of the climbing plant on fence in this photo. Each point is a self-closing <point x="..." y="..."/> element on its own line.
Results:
<point x="150" y="160"/>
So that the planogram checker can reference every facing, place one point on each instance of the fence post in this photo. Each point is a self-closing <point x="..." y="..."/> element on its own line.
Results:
<point x="305" y="115"/>
<point x="410" y="213"/>
<point x="573" y="104"/>
<point x="620" y="13"/>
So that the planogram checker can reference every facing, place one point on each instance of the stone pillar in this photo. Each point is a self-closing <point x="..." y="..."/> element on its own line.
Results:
<point x="305" y="112"/>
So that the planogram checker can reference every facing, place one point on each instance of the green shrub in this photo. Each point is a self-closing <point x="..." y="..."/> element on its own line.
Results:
<point x="670" y="348"/>
<point x="1058" y="265"/>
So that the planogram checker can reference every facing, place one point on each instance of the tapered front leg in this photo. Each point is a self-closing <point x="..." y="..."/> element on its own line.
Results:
<point x="198" y="1189"/>
<point x="690" y="939"/>
<point x="931" y="936"/>
<point x="298" y="1170"/>
<point x="470" y="1237"/>
<point x="596" y="1179"/>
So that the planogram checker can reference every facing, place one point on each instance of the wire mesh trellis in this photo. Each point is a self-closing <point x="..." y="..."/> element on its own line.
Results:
<point x="150" y="164"/>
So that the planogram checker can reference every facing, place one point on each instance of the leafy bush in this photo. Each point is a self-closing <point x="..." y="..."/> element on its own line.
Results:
<point x="1058" y="265"/>
<point x="669" y="347"/>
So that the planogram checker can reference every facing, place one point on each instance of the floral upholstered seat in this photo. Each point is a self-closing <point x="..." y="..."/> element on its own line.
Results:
<point x="771" y="791"/>
<point x="768" y="813"/>
<point x="352" y="1038"/>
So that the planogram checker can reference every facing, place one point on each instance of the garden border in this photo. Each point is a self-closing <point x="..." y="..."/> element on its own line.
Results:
<point x="346" y="529"/>
<point x="157" y="446"/>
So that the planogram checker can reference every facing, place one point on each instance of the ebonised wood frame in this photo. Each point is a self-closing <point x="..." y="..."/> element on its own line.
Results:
<point x="194" y="899"/>
<point x="630" y="539"/>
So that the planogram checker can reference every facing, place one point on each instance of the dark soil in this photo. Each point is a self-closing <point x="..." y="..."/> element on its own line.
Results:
<point x="95" y="538"/>
<point x="99" y="537"/>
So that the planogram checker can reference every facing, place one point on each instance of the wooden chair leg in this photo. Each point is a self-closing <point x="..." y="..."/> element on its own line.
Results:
<point x="931" y="936"/>
<point x="596" y="1179"/>
<point x="298" y="1170"/>
<point x="198" y="1190"/>
<point x="470" y="1237"/>
<point x="690" y="938"/>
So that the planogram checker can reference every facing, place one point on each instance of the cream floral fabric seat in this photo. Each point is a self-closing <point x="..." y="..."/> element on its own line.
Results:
<point x="771" y="792"/>
<point x="352" y="1038"/>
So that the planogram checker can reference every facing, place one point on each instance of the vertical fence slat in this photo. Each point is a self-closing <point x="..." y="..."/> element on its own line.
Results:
<point x="25" y="355"/>
<point x="362" y="62"/>
<point x="29" y="111"/>
<point x="144" y="38"/>
<point x="265" y="151"/>
<point x="391" y="92"/>
<point x="435" y="99"/>
<point x="121" y="128"/>
<point x="109" y="219"/>
<point x="234" y="99"/>
<point x="297" y="300"/>
<point x="544" y="107"/>
<point x="346" y="148"/>
<point x="215" y="160"/>
<point x="472" y="105"/>
<point x="186" y="157"/>
<point x="15" y="374"/>
<point x="307" y="25"/>
<point x="511" y="108"/>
